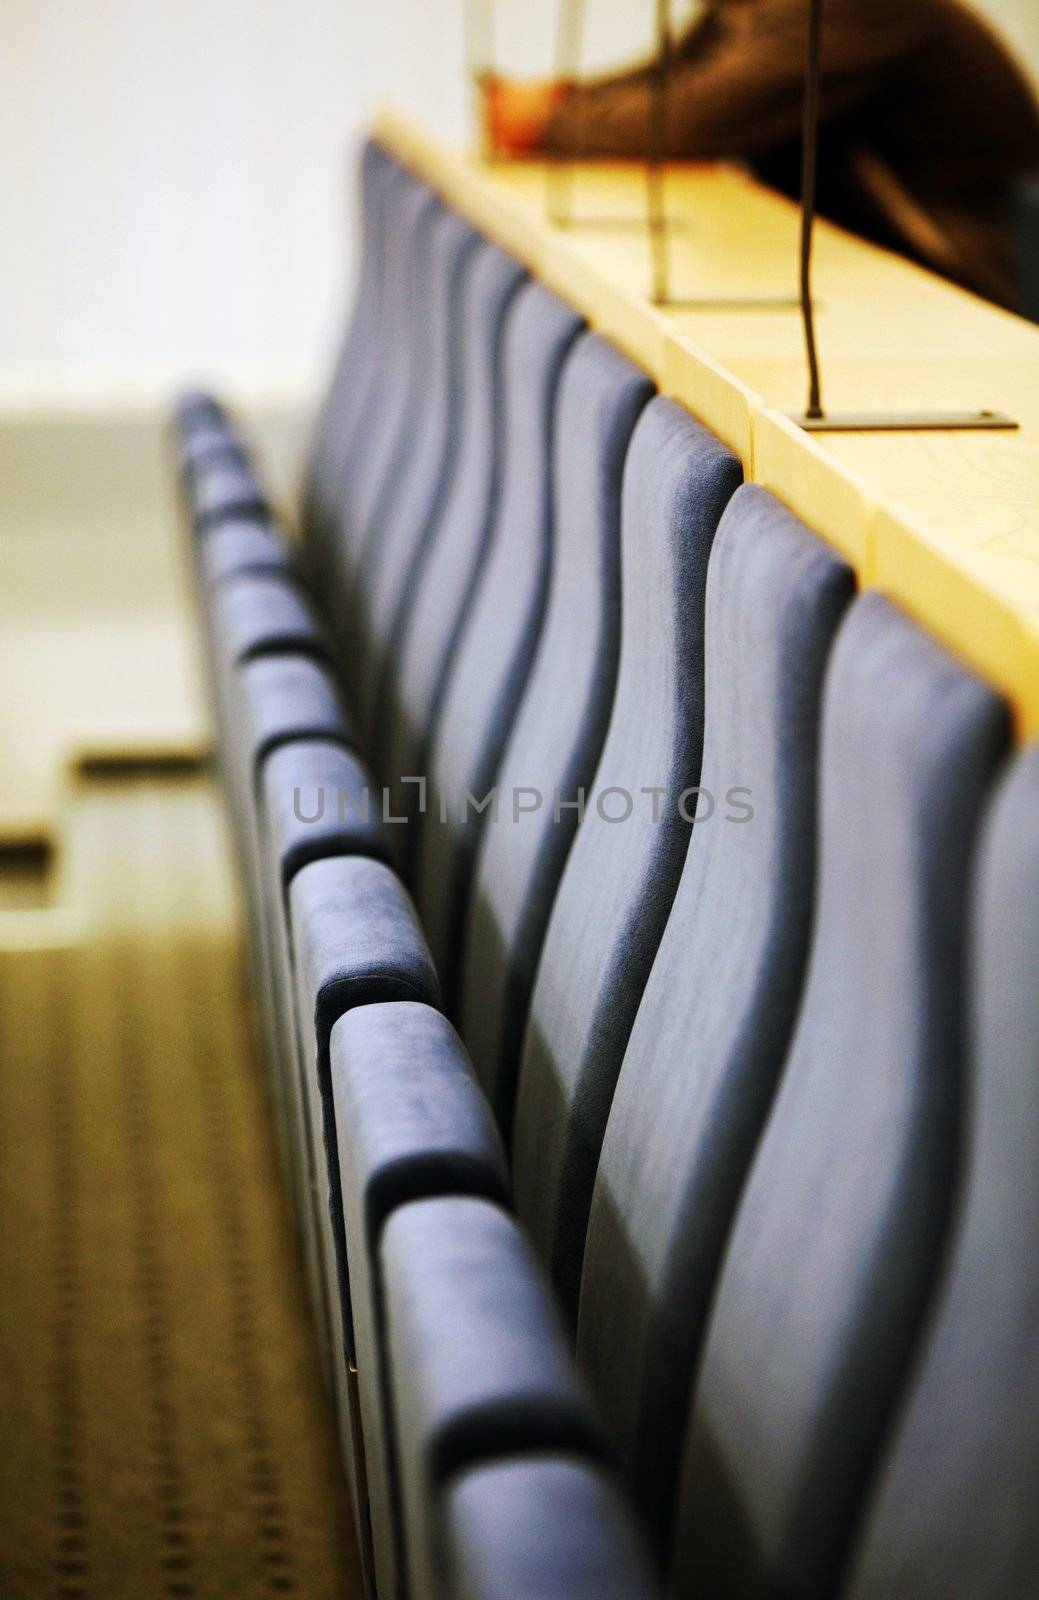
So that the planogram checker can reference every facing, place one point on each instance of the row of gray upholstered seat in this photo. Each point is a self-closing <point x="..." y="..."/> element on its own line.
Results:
<point x="763" y="1088"/>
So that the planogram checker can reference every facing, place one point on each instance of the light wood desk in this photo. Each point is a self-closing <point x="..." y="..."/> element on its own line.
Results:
<point x="946" y="523"/>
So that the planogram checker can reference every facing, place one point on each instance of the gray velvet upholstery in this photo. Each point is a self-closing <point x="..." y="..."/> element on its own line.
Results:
<point x="196" y="411"/>
<point x="477" y="1361"/>
<point x="410" y="1123"/>
<point x="204" y="448"/>
<point x="414" y="1122"/>
<point x="265" y="704"/>
<point x="836" y="1240"/>
<point x="954" y="1512"/>
<point x="254" y="714"/>
<point x="261" y="705"/>
<point x="413" y="677"/>
<point x="293" y="777"/>
<point x="559" y="730"/>
<point x="354" y="941"/>
<point x="263" y="613"/>
<point x="372" y="471"/>
<point x="319" y="800"/>
<point x="546" y="1526"/>
<point x="620" y="877"/>
<point x="250" y="545"/>
<point x="341" y="418"/>
<point x="716" y="1015"/>
<point x="494" y="655"/>
<point x="278" y="698"/>
<point x="227" y="489"/>
<point x="396" y="542"/>
<point x="783" y="1182"/>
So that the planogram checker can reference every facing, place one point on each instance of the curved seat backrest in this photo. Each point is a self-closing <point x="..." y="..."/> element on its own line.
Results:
<point x="395" y="541"/>
<point x="716" y="1016"/>
<point x="836" y="1239"/>
<point x="344" y="404"/>
<point x="542" y="1524"/>
<point x="558" y="735"/>
<point x="621" y="875"/>
<point x="954" y="1514"/>
<point x="413" y="681"/>
<point x="494" y="654"/>
<point x="381" y="442"/>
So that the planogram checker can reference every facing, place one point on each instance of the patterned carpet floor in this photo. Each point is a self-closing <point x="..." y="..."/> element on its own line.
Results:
<point x="166" y="1431"/>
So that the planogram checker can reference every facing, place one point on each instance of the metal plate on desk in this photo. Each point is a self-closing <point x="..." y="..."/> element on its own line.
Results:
<point x="901" y="421"/>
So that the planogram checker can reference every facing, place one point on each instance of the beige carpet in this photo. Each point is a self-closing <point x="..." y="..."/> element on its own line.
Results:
<point x="165" y="1427"/>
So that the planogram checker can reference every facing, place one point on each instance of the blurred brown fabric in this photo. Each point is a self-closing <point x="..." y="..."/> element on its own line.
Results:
<point x="927" y="121"/>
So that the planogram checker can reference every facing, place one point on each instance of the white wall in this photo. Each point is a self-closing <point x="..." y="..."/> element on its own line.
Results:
<point x="174" y="173"/>
<point x="173" y="170"/>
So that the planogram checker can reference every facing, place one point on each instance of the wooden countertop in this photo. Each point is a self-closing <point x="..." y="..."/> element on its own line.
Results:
<point x="946" y="523"/>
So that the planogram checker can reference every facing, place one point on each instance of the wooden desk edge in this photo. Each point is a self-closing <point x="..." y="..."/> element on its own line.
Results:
<point x="946" y="591"/>
<point x="951" y="595"/>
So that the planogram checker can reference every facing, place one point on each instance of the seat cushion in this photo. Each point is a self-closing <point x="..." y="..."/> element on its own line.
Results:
<point x="277" y="853"/>
<point x="282" y="698"/>
<point x="205" y="449"/>
<point x="357" y="942"/>
<point x="248" y="545"/>
<point x="539" y="1527"/>
<point x="199" y="412"/>
<point x="226" y="490"/>
<point x="262" y="705"/>
<point x="262" y="614"/>
<point x="266" y="703"/>
<point x="411" y="1122"/>
<point x="319" y="800"/>
<point x="477" y="1361"/>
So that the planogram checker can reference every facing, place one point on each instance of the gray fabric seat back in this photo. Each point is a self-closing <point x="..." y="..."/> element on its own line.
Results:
<point x="413" y="679"/>
<point x="395" y="543"/>
<point x="344" y="409"/>
<point x="560" y="727"/>
<point x="197" y="412"/>
<point x="494" y="654"/>
<point x="954" y="1512"/>
<point x="372" y="469"/>
<point x="716" y="1016"/>
<point x="626" y="859"/>
<point x="836" y="1239"/>
<point x="541" y="1526"/>
<point x="411" y="1124"/>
